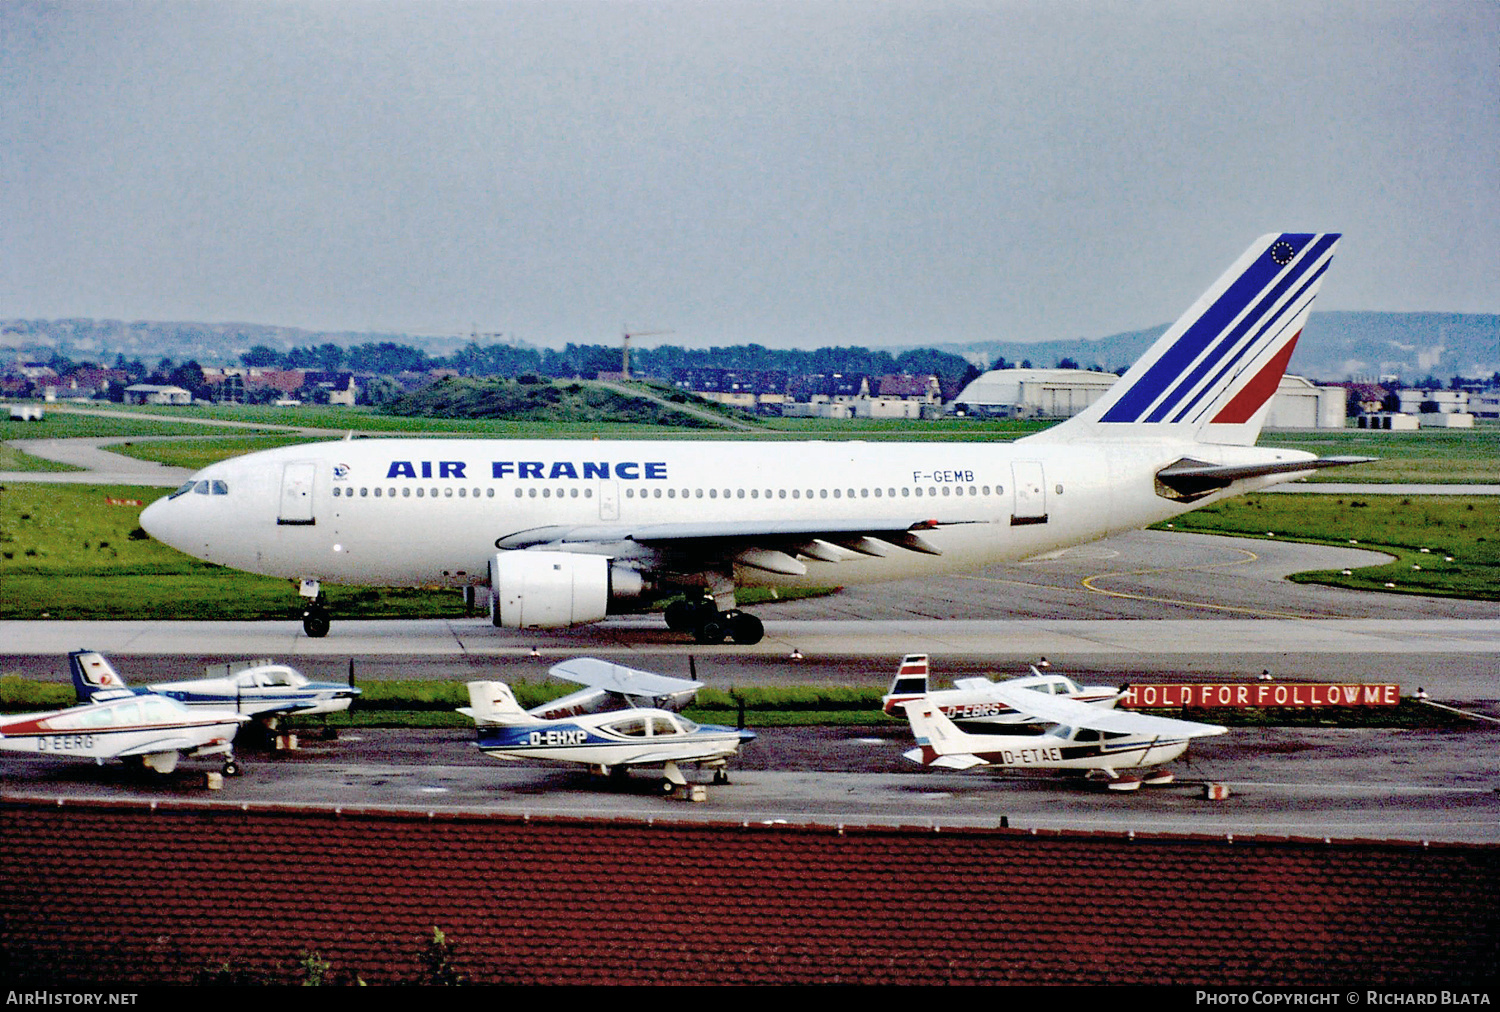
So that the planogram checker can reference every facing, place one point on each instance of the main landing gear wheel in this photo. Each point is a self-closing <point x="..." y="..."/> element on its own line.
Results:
<point x="743" y="628"/>
<point x="721" y="776"/>
<point x="315" y="621"/>
<point x="680" y="616"/>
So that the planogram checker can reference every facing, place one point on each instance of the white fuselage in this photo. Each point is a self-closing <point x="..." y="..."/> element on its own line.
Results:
<point x="134" y="725"/>
<point x="424" y="512"/>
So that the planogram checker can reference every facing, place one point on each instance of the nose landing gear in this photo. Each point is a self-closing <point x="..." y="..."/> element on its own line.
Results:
<point x="315" y="617"/>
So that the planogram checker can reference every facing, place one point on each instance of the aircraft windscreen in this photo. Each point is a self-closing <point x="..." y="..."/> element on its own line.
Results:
<point x="630" y="727"/>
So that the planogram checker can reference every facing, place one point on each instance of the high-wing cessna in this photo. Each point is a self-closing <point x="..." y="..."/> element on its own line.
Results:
<point x="563" y="533"/>
<point x="148" y="730"/>
<point x="972" y="701"/>
<point x="262" y="689"/>
<point x="604" y="725"/>
<point x="1095" y="740"/>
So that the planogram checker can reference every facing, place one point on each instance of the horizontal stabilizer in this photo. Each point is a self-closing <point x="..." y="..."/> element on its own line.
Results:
<point x="957" y="761"/>
<point x="1191" y="479"/>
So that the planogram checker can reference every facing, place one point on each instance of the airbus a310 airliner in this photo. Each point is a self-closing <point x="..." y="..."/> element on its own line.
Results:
<point x="566" y="532"/>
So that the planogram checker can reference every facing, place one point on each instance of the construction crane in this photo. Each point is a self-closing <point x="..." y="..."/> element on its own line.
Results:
<point x="627" y="334"/>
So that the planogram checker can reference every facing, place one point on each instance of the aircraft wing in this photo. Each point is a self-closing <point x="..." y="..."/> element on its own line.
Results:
<point x="763" y="544"/>
<point x="174" y="743"/>
<point x="599" y="674"/>
<point x="1062" y="710"/>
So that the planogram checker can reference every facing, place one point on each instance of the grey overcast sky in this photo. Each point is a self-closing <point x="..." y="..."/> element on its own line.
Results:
<point x="792" y="174"/>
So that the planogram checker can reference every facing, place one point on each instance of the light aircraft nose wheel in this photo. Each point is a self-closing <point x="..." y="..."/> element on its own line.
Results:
<point x="721" y="776"/>
<point x="232" y="769"/>
<point x="315" y="621"/>
<point x="666" y="787"/>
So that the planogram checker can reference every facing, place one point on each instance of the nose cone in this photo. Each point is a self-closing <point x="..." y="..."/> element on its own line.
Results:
<point x="153" y="519"/>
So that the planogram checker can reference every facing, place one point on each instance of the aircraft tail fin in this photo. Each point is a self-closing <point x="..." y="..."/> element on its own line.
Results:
<point x="936" y="735"/>
<point x="910" y="682"/>
<point x="93" y="675"/>
<point x="494" y="703"/>
<point x="1211" y="376"/>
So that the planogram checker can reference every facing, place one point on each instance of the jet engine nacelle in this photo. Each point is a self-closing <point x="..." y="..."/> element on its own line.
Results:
<point x="550" y="590"/>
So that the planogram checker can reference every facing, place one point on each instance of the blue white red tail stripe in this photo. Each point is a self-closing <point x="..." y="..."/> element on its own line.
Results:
<point x="1289" y="313"/>
<point x="1272" y="310"/>
<point x="1246" y="320"/>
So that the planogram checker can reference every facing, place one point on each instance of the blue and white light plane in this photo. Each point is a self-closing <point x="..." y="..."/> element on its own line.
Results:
<point x="563" y="533"/>
<point x="603" y="726"/>
<point x="1090" y="739"/>
<point x="264" y="690"/>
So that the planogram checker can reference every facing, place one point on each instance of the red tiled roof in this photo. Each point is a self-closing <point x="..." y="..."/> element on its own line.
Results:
<point x="132" y="893"/>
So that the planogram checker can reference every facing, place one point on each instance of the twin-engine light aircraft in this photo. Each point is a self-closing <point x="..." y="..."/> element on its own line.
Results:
<point x="262" y="689"/>
<point x="148" y="730"/>
<point x="1090" y="739"/>
<point x="605" y="726"/>
<point x="973" y="701"/>
<point x="563" y="533"/>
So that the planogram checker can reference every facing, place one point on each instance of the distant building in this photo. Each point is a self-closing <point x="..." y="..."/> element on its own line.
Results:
<point x="1299" y="404"/>
<point x="151" y="393"/>
<point x="1033" y="393"/>
<point x="1392" y="421"/>
<point x="1485" y="404"/>
<point x="1428" y="402"/>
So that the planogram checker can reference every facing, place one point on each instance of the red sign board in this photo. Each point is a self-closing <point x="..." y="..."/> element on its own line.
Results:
<point x="1211" y="694"/>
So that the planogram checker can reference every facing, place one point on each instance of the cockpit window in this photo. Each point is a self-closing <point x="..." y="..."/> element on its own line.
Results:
<point x="202" y="486"/>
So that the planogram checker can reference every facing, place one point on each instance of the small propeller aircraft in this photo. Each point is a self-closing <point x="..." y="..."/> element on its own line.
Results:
<point x="623" y="718"/>
<point x="973" y="701"/>
<point x="1094" y="740"/>
<point x="144" y="730"/>
<point x="261" y="689"/>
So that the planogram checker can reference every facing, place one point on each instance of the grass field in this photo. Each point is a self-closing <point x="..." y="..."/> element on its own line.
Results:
<point x="68" y="552"/>
<point x="12" y="459"/>
<point x="62" y="424"/>
<point x="1436" y="456"/>
<point x="1443" y="545"/>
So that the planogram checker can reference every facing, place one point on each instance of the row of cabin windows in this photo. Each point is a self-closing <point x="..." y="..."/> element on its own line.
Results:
<point x="462" y="492"/>
<point x="821" y="493"/>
